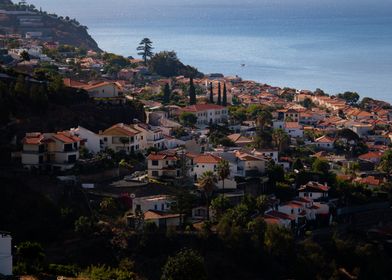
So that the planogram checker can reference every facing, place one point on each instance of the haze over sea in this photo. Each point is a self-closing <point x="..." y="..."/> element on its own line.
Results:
<point x="334" y="45"/>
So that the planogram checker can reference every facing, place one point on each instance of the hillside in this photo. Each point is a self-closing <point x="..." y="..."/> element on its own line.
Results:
<point x="27" y="20"/>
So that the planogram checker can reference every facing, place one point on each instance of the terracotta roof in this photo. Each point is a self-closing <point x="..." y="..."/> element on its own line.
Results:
<point x="314" y="187"/>
<point x="324" y="139"/>
<point x="371" y="155"/>
<point x="370" y="180"/>
<point x="239" y="139"/>
<point x="279" y="215"/>
<point x="202" y="107"/>
<point x="66" y="137"/>
<point x="292" y="125"/>
<point x="153" y="214"/>
<point x="73" y="83"/>
<point x="121" y="129"/>
<point x="33" y="138"/>
<point x="207" y="158"/>
<point x="161" y="156"/>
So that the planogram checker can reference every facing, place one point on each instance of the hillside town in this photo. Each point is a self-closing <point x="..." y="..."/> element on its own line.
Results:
<point x="209" y="155"/>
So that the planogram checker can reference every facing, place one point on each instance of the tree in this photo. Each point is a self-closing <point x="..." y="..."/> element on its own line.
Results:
<point x="350" y="97"/>
<point x="207" y="183"/>
<point x="386" y="163"/>
<point x="224" y="99"/>
<point x="192" y="92"/>
<point x="321" y="166"/>
<point x="188" y="119"/>
<point x="280" y="139"/>
<point x="185" y="265"/>
<point x="25" y="56"/>
<point x="145" y="49"/>
<point x="166" y="94"/>
<point x="30" y="256"/>
<point x="83" y="226"/>
<point x="297" y="164"/>
<point x="219" y="102"/>
<point x="211" y="94"/>
<point x="279" y="241"/>
<point x="223" y="171"/>
<point x="124" y="141"/>
<point x="264" y="118"/>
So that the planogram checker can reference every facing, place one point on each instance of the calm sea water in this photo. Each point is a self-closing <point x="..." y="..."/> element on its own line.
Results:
<point x="297" y="43"/>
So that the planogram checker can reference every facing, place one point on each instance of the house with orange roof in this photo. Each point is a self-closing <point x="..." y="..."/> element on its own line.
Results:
<point x="294" y="129"/>
<point x="324" y="143"/>
<point x="207" y="113"/>
<point x="209" y="162"/>
<point x="313" y="190"/>
<point x="374" y="157"/>
<point x="240" y="140"/>
<point x="56" y="151"/>
<point x="370" y="181"/>
<point x="164" y="165"/>
<point x="122" y="137"/>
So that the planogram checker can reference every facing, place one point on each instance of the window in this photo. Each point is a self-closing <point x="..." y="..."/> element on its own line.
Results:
<point x="155" y="173"/>
<point x="155" y="207"/>
<point x="154" y="162"/>
<point x="292" y="211"/>
<point x="162" y="206"/>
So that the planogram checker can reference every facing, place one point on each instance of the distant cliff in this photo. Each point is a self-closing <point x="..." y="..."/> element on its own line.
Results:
<point x="27" y="20"/>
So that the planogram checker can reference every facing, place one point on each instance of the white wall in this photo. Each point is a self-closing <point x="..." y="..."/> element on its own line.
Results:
<point x="5" y="255"/>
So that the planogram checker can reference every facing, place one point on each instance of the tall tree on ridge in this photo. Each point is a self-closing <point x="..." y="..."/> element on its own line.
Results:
<point x="211" y="94"/>
<point x="219" y="94"/>
<point x="224" y="99"/>
<point x="145" y="49"/>
<point x="166" y="94"/>
<point x="192" y="92"/>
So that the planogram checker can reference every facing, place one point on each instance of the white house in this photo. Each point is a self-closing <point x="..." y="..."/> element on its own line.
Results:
<point x="162" y="219"/>
<point x="164" y="165"/>
<point x="209" y="162"/>
<point x="58" y="150"/>
<point x="295" y="209"/>
<point x="294" y="129"/>
<point x="104" y="90"/>
<point x="5" y="254"/>
<point x="324" y="143"/>
<point x="122" y="137"/>
<point x="249" y="165"/>
<point x="90" y="140"/>
<point x="161" y="203"/>
<point x="271" y="154"/>
<point x="150" y="137"/>
<point x="207" y="113"/>
<point x="313" y="190"/>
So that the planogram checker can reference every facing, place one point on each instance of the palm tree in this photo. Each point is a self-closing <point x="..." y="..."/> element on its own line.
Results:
<point x="264" y="118"/>
<point x="145" y="49"/>
<point x="223" y="172"/>
<point x="207" y="183"/>
<point x="124" y="141"/>
<point x="280" y="138"/>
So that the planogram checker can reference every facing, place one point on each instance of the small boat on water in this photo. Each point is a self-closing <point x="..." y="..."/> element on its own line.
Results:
<point x="243" y="64"/>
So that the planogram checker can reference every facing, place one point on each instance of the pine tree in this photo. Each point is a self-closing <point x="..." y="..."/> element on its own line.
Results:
<point x="211" y="94"/>
<point x="219" y="95"/>
<point x="145" y="49"/>
<point x="224" y="99"/>
<point x="192" y="92"/>
<point x="166" y="94"/>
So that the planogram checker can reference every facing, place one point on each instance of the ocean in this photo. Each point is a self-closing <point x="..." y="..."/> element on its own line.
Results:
<point x="330" y="45"/>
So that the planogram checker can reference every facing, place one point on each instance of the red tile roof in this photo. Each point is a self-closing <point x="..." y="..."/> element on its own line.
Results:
<point x="202" y="107"/>
<point x="66" y="137"/>
<point x="207" y="158"/>
<point x="33" y="139"/>
<point x="314" y="187"/>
